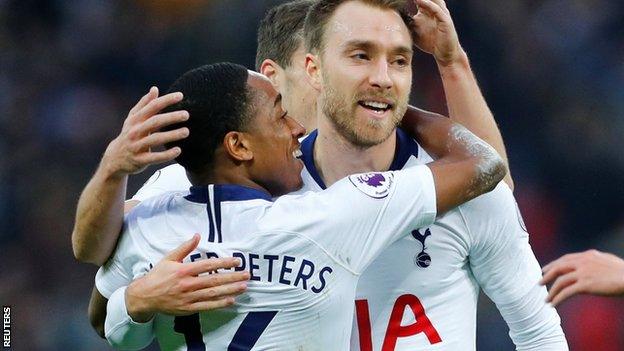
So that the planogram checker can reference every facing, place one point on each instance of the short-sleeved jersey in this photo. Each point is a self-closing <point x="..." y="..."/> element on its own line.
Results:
<point x="421" y="293"/>
<point x="170" y="178"/>
<point x="305" y="254"/>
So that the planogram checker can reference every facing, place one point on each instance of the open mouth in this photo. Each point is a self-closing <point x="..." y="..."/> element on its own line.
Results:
<point x="378" y="107"/>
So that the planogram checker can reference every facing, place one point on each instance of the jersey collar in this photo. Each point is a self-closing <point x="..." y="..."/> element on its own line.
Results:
<point x="406" y="147"/>
<point x="226" y="192"/>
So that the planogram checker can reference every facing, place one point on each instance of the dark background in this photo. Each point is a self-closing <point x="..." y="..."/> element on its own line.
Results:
<point x="552" y="72"/>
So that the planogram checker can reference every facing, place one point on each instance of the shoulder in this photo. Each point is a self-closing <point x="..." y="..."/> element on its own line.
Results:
<point x="172" y="177"/>
<point x="174" y="171"/>
<point x="493" y="217"/>
<point x="154" y="205"/>
<point x="498" y="201"/>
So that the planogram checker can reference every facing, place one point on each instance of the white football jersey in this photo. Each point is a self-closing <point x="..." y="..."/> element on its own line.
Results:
<point x="170" y="178"/>
<point x="305" y="254"/>
<point x="421" y="292"/>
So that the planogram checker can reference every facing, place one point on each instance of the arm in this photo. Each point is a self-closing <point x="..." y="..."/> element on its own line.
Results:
<point x="589" y="272"/>
<point x="436" y="34"/>
<point x="171" y="287"/>
<point x="506" y="269"/>
<point x="97" y="311"/>
<point x="466" y="167"/>
<point x="100" y="209"/>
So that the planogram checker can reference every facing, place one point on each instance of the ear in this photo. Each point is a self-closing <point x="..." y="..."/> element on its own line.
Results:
<point x="271" y="70"/>
<point x="236" y="146"/>
<point x="313" y="71"/>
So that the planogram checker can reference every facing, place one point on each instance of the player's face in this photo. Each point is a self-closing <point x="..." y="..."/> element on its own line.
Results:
<point x="298" y="96"/>
<point x="366" y="72"/>
<point x="274" y="138"/>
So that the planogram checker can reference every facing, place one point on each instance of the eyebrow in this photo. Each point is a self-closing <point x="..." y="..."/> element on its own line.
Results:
<point x="368" y="45"/>
<point x="278" y="98"/>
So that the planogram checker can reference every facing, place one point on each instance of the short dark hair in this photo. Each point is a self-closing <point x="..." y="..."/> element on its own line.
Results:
<point x="281" y="32"/>
<point x="218" y="101"/>
<point x="318" y="16"/>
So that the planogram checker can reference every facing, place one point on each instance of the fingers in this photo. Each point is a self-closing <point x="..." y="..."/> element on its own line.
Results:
<point x="183" y="250"/>
<point x="561" y="283"/>
<point x="563" y="260"/>
<point x="210" y="265"/>
<point x="162" y="138"/>
<point x="211" y="305"/>
<point x="160" y="121"/>
<point x="151" y="95"/>
<point x="156" y="105"/>
<point x="558" y="269"/>
<point x="151" y="158"/>
<point x="220" y="279"/>
<point x="434" y="10"/>
<point x="441" y="4"/>
<point x="567" y="292"/>
<point x="218" y="292"/>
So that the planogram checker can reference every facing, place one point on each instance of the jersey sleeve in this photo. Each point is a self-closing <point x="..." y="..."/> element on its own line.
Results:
<point x="124" y="266"/>
<point x="505" y="267"/>
<point x="170" y="178"/>
<point x="365" y="213"/>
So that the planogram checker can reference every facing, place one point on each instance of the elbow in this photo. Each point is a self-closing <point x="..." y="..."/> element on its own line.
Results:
<point x="499" y="172"/>
<point x="82" y="252"/>
<point x="491" y="170"/>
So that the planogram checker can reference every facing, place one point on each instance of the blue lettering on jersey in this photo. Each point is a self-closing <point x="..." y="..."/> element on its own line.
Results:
<point x="263" y="268"/>
<point x="327" y="270"/>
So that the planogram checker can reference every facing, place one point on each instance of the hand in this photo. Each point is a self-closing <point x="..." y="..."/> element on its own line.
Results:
<point x="179" y="289"/>
<point x="131" y="152"/>
<point x="435" y="32"/>
<point x="589" y="272"/>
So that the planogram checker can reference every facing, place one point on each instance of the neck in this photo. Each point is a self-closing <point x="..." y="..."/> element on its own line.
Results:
<point x="224" y="175"/>
<point x="335" y="157"/>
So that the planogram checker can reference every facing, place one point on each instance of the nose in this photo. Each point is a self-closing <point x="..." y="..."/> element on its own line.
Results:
<point x="296" y="129"/>
<point x="379" y="77"/>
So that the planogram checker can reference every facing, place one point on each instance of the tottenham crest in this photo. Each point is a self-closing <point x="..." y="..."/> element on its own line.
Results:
<point x="375" y="185"/>
<point x="422" y="259"/>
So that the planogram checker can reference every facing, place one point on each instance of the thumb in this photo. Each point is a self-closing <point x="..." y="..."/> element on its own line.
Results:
<point x="183" y="250"/>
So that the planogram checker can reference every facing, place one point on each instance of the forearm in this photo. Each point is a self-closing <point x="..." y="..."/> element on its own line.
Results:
<point x="468" y="107"/>
<point x="466" y="166"/>
<point x="99" y="216"/>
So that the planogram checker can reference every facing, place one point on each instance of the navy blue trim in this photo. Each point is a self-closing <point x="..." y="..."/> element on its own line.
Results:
<point x="405" y="147"/>
<point x="250" y="330"/>
<point x="231" y="192"/>
<point x="217" y="207"/>
<point x="227" y="192"/>
<point x="307" y="149"/>
<point x="211" y="233"/>
<point x="199" y="194"/>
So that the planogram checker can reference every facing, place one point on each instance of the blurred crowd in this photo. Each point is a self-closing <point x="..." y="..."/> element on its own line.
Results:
<point x="552" y="72"/>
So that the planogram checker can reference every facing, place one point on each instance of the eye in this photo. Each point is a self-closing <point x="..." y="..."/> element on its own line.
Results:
<point x="360" y="56"/>
<point x="401" y="62"/>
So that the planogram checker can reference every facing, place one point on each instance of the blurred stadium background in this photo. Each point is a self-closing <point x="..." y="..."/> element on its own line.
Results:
<point x="551" y="70"/>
